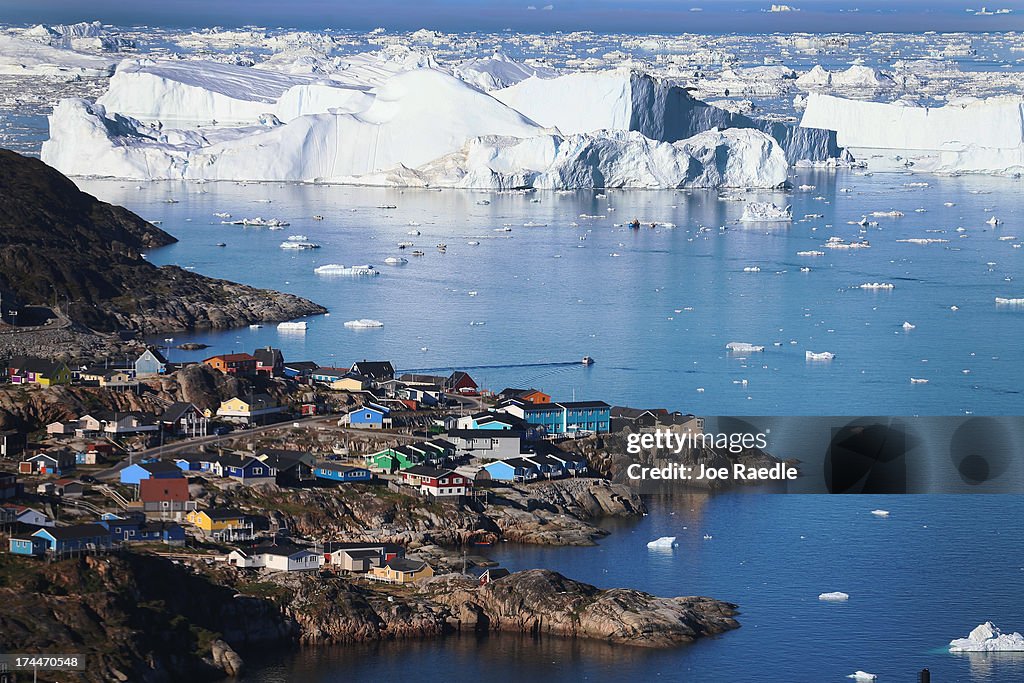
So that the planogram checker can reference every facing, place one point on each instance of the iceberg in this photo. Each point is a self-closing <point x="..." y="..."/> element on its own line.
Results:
<point x="363" y="323"/>
<point x="880" y="513"/>
<point x="301" y="325"/>
<point x="963" y="136"/>
<point x="862" y="676"/>
<point x="497" y="71"/>
<point x="857" y="76"/>
<point x="824" y="355"/>
<point x="20" y="57"/>
<point x="663" y="542"/>
<point x="743" y="347"/>
<point x="338" y="269"/>
<point x="988" y="638"/>
<point x="834" y="597"/>
<point x="765" y="212"/>
<point x="877" y="285"/>
<point x="627" y="99"/>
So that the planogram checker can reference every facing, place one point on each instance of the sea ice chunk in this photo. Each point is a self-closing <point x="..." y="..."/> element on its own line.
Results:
<point x="988" y="638"/>
<point x="836" y="596"/>
<point x="754" y="212"/>
<point x="663" y="542"/>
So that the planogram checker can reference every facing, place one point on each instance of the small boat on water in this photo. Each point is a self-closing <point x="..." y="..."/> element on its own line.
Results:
<point x="387" y="206"/>
<point x="403" y="245"/>
<point x="221" y="244"/>
<point x="442" y="247"/>
<point x="417" y="253"/>
<point x="587" y="360"/>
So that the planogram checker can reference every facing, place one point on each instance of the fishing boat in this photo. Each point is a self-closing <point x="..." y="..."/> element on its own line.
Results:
<point x="221" y="244"/>
<point x="587" y="360"/>
<point x="417" y="253"/>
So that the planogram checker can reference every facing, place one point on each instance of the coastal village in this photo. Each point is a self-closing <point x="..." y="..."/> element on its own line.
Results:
<point x="106" y="481"/>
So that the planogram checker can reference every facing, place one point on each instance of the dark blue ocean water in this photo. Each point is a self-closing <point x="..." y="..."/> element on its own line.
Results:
<point x="522" y="306"/>
<point x="932" y="571"/>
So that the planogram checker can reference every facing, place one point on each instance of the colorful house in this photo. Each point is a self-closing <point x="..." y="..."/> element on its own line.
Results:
<point x="512" y="469"/>
<point x="438" y="483"/>
<point x="350" y="382"/>
<point x="256" y="408"/>
<point x="133" y="528"/>
<point x="328" y="374"/>
<point x="269" y="361"/>
<point x="460" y="383"/>
<point x="563" y="418"/>
<point x="183" y="419"/>
<point x="401" y="570"/>
<point x="221" y="523"/>
<point x="48" y="462"/>
<point x="390" y="460"/>
<point x="157" y="469"/>
<point x="242" y="468"/>
<point x="32" y="370"/>
<point x="360" y="557"/>
<point x="166" y="497"/>
<point x="341" y="473"/>
<point x="26" y="545"/>
<point x="240" y="364"/>
<point x="369" y="416"/>
<point x="376" y="371"/>
<point x="150" y="362"/>
<point x="300" y="370"/>
<point x="284" y="557"/>
<point x="60" y="540"/>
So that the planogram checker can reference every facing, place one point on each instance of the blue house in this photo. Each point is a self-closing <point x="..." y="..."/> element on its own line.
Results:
<point x="300" y="370"/>
<point x="326" y="375"/>
<point x="570" y="417"/>
<point x="369" y="416"/>
<point x="26" y="545"/>
<point x="343" y="473"/>
<point x="190" y="463"/>
<point x="75" y="538"/>
<point x="157" y="469"/>
<point x="512" y="469"/>
<point x="135" y="529"/>
<point x="151" y="362"/>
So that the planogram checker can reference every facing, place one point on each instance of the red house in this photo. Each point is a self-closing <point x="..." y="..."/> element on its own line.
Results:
<point x="241" y="364"/>
<point x="435" y="482"/>
<point x="167" y="497"/>
<point x="460" y="383"/>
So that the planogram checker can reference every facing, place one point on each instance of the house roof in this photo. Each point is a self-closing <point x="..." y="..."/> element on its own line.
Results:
<point x="283" y="459"/>
<point x="485" y="433"/>
<point x="281" y="549"/>
<point x="159" y="466"/>
<point x="152" y="490"/>
<point x="176" y="411"/>
<point x="268" y="356"/>
<point x="75" y="531"/>
<point x="413" y="378"/>
<point x="331" y="370"/>
<point x="401" y="564"/>
<point x="156" y="354"/>
<point x="223" y="513"/>
<point x="426" y="471"/>
<point x="333" y="467"/>
<point x="301" y="366"/>
<point x="360" y="554"/>
<point x="230" y="357"/>
<point x="40" y="366"/>
<point x="376" y="369"/>
<point x="459" y="376"/>
<point x="336" y="546"/>
<point x="515" y="462"/>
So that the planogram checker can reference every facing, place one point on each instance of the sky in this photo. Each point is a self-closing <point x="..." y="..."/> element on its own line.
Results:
<point x="637" y="16"/>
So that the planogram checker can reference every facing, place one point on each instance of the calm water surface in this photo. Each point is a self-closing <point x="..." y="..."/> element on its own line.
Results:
<point x="655" y="307"/>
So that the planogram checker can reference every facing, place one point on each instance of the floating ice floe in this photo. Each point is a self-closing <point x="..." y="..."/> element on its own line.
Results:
<point x="836" y="242"/>
<point x="810" y="253"/>
<point x="362" y="323"/>
<point x="395" y="260"/>
<point x="918" y="380"/>
<point x="1003" y="301"/>
<point x="765" y="212"/>
<point x="908" y="326"/>
<point x="258" y="222"/>
<point x="292" y="326"/>
<point x="887" y="214"/>
<point x="824" y="355"/>
<point x="862" y="676"/>
<point x="993" y="221"/>
<point x="743" y="347"/>
<point x="338" y="269"/>
<point x="292" y="244"/>
<point x="923" y="240"/>
<point x="988" y="638"/>
<point x="663" y="542"/>
<point x="834" y="597"/>
<point x="877" y="285"/>
<point x="880" y="513"/>
<point x="751" y="269"/>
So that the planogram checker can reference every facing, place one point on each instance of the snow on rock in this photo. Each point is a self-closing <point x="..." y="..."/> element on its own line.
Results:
<point x="970" y="136"/>
<point x="19" y="57"/>
<point x="988" y="638"/>
<point x="627" y="99"/>
<point x="497" y="71"/>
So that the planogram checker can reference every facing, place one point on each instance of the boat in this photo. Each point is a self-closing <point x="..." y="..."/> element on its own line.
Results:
<point x="473" y="243"/>
<point x="417" y="253"/>
<point x="301" y="325"/>
<point x="318" y="217"/>
<point x="221" y="244"/>
<point x="387" y="206"/>
<point x="403" y="245"/>
<point x="442" y="247"/>
<point x="587" y="360"/>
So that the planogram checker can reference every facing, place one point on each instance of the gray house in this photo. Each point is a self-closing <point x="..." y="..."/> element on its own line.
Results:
<point x="150" y="362"/>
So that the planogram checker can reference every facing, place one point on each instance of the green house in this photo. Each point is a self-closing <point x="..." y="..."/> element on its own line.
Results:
<point x="389" y="460"/>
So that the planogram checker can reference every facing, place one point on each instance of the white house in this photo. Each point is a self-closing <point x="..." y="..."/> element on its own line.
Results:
<point x="282" y="558"/>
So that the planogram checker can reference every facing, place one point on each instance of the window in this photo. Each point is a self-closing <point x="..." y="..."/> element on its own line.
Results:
<point x="257" y="470"/>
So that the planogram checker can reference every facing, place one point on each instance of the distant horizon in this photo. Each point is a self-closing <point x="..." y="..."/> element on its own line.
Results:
<point x="540" y="16"/>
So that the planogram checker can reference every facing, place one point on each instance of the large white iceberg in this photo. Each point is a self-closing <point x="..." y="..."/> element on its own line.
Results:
<point x="971" y="136"/>
<point x="19" y="57"/>
<point x="627" y="99"/>
<point x="857" y="76"/>
<point x="497" y="71"/>
<point x="988" y="638"/>
<point x="663" y="542"/>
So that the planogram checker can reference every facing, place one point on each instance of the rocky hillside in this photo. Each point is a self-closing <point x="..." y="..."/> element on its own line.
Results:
<point x="62" y="247"/>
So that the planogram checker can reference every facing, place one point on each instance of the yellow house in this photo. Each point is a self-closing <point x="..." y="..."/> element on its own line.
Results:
<point x="241" y="410"/>
<point x="401" y="570"/>
<point x="349" y="383"/>
<point x="216" y="519"/>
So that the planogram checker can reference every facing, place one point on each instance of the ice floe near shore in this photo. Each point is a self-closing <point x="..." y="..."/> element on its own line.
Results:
<point x="988" y="638"/>
<point x="363" y="323"/>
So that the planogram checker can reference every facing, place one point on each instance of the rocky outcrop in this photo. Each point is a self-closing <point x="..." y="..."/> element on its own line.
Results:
<point x="62" y="247"/>
<point x="545" y="602"/>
